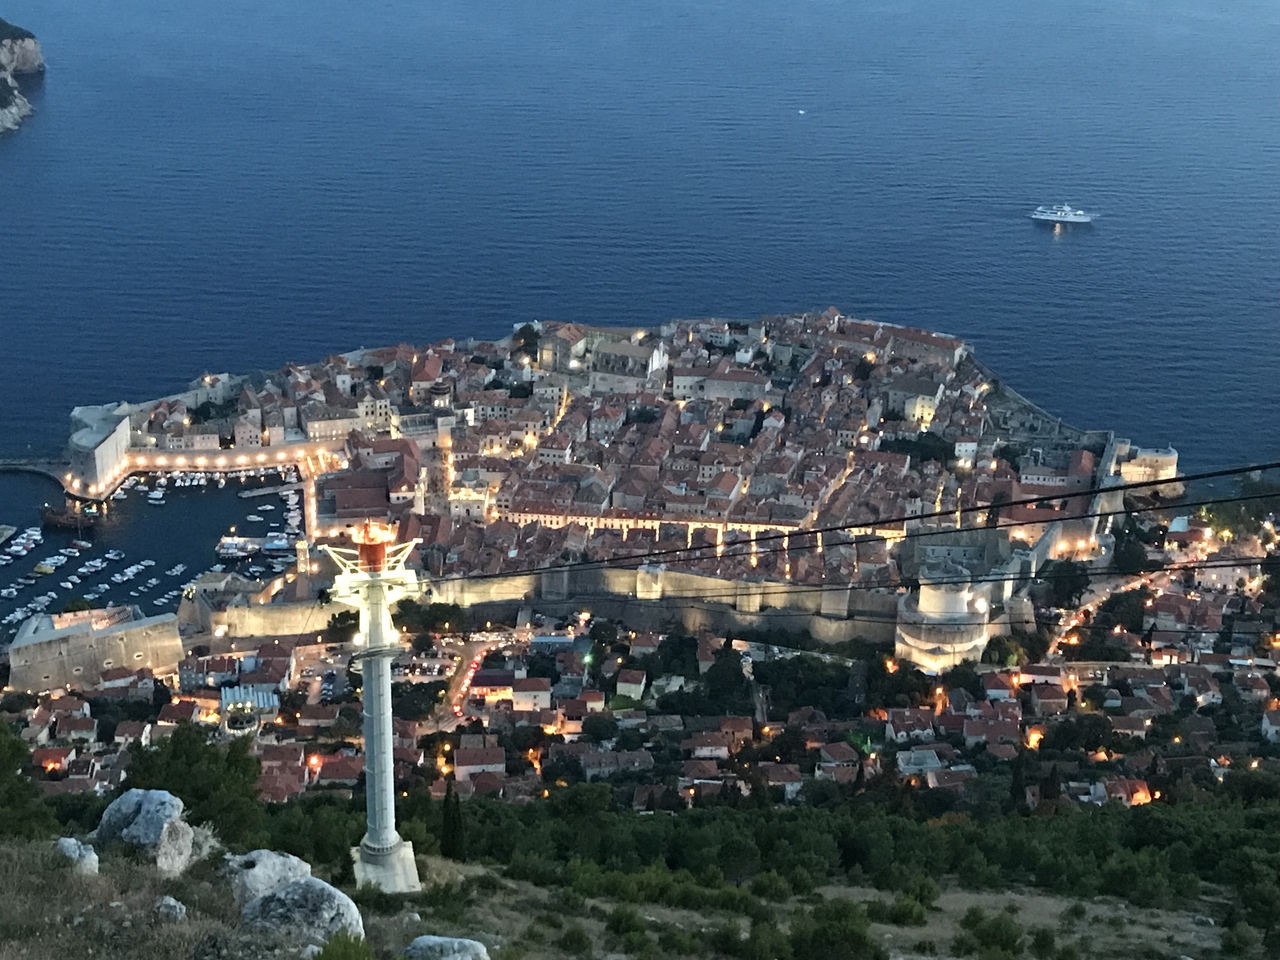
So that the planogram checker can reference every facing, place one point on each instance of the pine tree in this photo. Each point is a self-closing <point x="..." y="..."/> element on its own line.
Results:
<point x="453" y="840"/>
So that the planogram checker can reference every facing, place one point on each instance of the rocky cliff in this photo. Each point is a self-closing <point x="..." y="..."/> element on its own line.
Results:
<point x="19" y="54"/>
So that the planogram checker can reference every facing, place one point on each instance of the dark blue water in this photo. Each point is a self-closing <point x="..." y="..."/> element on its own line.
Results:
<point x="245" y="183"/>
<point x="182" y="531"/>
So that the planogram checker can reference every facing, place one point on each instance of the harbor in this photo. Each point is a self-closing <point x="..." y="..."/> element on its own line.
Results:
<point x="131" y="555"/>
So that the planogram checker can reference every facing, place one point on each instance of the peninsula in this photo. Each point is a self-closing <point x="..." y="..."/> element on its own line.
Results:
<point x="731" y="473"/>
<point x="19" y="54"/>
<point x="882" y="622"/>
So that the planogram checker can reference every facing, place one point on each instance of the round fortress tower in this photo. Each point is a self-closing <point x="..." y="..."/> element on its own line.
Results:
<point x="945" y="622"/>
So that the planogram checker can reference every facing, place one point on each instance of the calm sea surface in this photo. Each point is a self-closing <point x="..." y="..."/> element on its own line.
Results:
<point x="222" y="186"/>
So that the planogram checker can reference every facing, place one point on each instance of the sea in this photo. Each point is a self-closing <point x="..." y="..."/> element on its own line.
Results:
<point x="210" y="187"/>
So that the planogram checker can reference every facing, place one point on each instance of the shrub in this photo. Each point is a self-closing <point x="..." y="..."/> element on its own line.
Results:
<point x="345" y="946"/>
<point x="377" y="900"/>
<point x="575" y="940"/>
<point x="624" y="920"/>
<point x="771" y="885"/>
<point x="1241" y="940"/>
<point x="1073" y="914"/>
<point x="995" y="938"/>
<point x="1044" y="945"/>
<point x="902" y="912"/>
<point x="834" y="930"/>
<point x="674" y="941"/>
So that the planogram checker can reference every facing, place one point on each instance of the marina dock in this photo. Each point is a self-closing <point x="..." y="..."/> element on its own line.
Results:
<point x="268" y="491"/>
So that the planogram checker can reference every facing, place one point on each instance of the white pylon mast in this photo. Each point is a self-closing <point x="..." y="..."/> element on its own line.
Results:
<point x="372" y="578"/>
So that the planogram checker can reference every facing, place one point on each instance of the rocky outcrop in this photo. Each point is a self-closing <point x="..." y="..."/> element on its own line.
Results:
<point x="260" y="872"/>
<point x="308" y="906"/>
<point x="14" y="107"/>
<point x="152" y="821"/>
<point x="169" y="910"/>
<point x="82" y="856"/>
<point x="19" y="53"/>
<point x="445" y="948"/>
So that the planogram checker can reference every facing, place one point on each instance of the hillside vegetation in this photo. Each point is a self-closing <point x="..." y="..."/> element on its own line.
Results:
<point x="9" y="31"/>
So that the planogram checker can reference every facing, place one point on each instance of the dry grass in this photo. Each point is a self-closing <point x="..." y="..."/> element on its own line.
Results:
<point x="1109" y="927"/>
<point x="47" y="912"/>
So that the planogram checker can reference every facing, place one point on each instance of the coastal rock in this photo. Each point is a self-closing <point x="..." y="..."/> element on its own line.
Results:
<point x="19" y="53"/>
<point x="170" y="910"/>
<point x="151" y="820"/>
<point x="445" y="948"/>
<point x="14" y="107"/>
<point x="307" y="906"/>
<point x="81" y="855"/>
<point x="260" y="872"/>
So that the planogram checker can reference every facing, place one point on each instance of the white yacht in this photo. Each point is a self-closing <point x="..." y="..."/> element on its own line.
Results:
<point x="1060" y="213"/>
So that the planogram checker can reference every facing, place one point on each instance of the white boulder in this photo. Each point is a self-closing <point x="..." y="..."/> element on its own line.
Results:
<point x="259" y="872"/>
<point x="445" y="948"/>
<point x="151" y="820"/>
<point x="170" y="910"/>
<point x="82" y="856"/>
<point x="307" y="905"/>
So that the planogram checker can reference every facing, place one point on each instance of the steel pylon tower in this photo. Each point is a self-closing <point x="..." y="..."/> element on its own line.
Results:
<point x="372" y="577"/>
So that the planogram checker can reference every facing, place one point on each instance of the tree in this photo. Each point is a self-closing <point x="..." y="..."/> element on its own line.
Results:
<point x="218" y="785"/>
<point x="342" y="626"/>
<point x="527" y="339"/>
<point x="599" y="727"/>
<point x="1131" y="553"/>
<point x="998" y="499"/>
<point x="738" y="859"/>
<point x="453" y="840"/>
<point x="416" y="701"/>
<point x="426" y="618"/>
<point x="76" y="605"/>
<point x="1068" y="581"/>
<point x="604" y="632"/>
<point x="725" y="683"/>
<point x="21" y="812"/>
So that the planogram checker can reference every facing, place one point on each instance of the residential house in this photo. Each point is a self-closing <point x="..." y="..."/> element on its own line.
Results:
<point x="132" y="731"/>
<point x="531" y="693"/>
<point x="909" y="723"/>
<point x="1271" y="726"/>
<point x="785" y="776"/>
<point x="469" y="762"/>
<point x="631" y="683"/>
<point x="708" y="745"/>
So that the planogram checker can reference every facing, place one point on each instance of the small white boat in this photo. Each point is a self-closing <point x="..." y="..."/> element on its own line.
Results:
<point x="1060" y="213"/>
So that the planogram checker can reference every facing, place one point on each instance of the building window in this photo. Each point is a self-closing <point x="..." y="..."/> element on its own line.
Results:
<point x="106" y="664"/>
<point x="138" y="655"/>
<point x="75" y="671"/>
